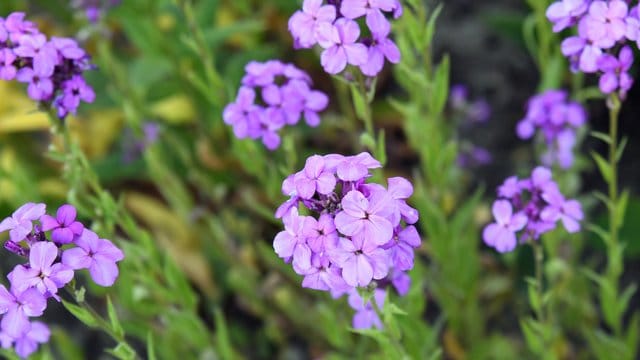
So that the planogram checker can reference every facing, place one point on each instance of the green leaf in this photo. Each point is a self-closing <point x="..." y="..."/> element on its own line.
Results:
<point x="601" y="232"/>
<point x="223" y="343"/>
<point x="602" y="136"/>
<point x="533" y="334"/>
<point x="603" y="166"/>
<point x="151" y="351"/>
<point x="113" y="318"/>
<point x="621" y="210"/>
<point x="81" y="314"/>
<point x="633" y="334"/>
<point x="367" y="141"/>
<point x="381" y="152"/>
<point x="359" y="102"/>
<point x="532" y="290"/>
<point x="123" y="351"/>
<point x="440" y="87"/>
<point x="621" y="147"/>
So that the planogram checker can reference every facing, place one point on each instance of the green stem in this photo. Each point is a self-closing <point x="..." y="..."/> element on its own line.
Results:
<point x="367" y="117"/>
<point x="394" y="341"/>
<point x="101" y="322"/>
<point x="614" y="261"/>
<point x="538" y="253"/>
<point x="213" y="78"/>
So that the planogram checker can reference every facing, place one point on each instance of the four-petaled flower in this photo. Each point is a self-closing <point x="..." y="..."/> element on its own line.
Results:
<point x="97" y="255"/>
<point x="502" y="233"/>
<point x="64" y="225"/>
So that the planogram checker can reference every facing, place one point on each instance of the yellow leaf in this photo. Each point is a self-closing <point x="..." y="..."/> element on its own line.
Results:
<point x="176" y="109"/>
<point x="175" y="236"/>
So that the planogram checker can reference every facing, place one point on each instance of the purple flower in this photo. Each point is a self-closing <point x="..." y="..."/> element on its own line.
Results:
<point x="353" y="9"/>
<point x="20" y="223"/>
<point x="291" y="243"/>
<point x="273" y="95"/>
<point x="339" y="41"/>
<point x="242" y="114"/>
<point x="7" y="68"/>
<point x="616" y="71"/>
<point x="41" y="272"/>
<point x="27" y="343"/>
<point x="303" y="24"/>
<point x="366" y="316"/>
<point x="400" y="247"/>
<point x="321" y="234"/>
<point x="43" y="53"/>
<point x="17" y="306"/>
<point x="314" y="178"/>
<point x="40" y="87"/>
<point x="605" y="23"/>
<point x="564" y="13"/>
<point x="97" y="255"/>
<point x="400" y="281"/>
<point x="381" y="47"/>
<point x="365" y="217"/>
<point x="322" y="275"/>
<point x="568" y="211"/>
<point x="501" y="234"/>
<point x="356" y="167"/>
<point x="64" y="225"/>
<point x="360" y="260"/>
<point x="74" y="90"/>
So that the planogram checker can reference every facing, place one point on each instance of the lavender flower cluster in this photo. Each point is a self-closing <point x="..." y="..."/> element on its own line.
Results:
<point x="531" y="206"/>
<point x="333" y="26"/>
<point x="94" y="9"/>
<point x="50" y="266"/>
<point x="357" y="232"/>
<point x="602" y="26"/>
<point x="467" y="114"/>
<point x="53" y="68"/>
<point x="557" y="119"/>
<point x="273" y="94"/>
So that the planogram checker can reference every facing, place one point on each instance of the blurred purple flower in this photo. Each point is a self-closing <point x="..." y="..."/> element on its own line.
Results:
<point x="17" y="307"/>
<point x="20" y="223"/>
<point x="616" y="72"/>
<point x="366" y="316"/>
<point x="303" y="24"/>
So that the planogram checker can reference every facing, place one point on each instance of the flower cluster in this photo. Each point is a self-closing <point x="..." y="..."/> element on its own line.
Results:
<point x="531" y="206"/>
<point x="53" y="68"/>
<point x="94" y="9"/>
<point x="467" y="115"/>
<point x="51" y="264"/>
<point x="602" y="27"/>
<point x="358" y="232"/>
<point x="273" y="94"/>
<point x="557" y="120"/>
<point x="333" y="26"/>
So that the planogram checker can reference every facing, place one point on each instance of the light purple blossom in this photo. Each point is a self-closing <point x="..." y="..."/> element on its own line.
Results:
<point x="339" y="41"/>
<point x="366" y="316"/>
<point x="360" y="260"/>
<point x="356" y="232"/>
<point x="365" y="217"/>
<point x="26" y="343"/>
<point x="531" y="207"/>
<point x="303" y="23"/>
<point x="565" y="13"/>
<point x="17" y="307"/>
<point x="605" y="22"/>
<point x="273" y="94"/>
<point x="615" y="72"/>
<point x="20" y="223"/>
<point x="502" y="233"/>
<point x="41" y="272"/>
<point x="97" y="255"/>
